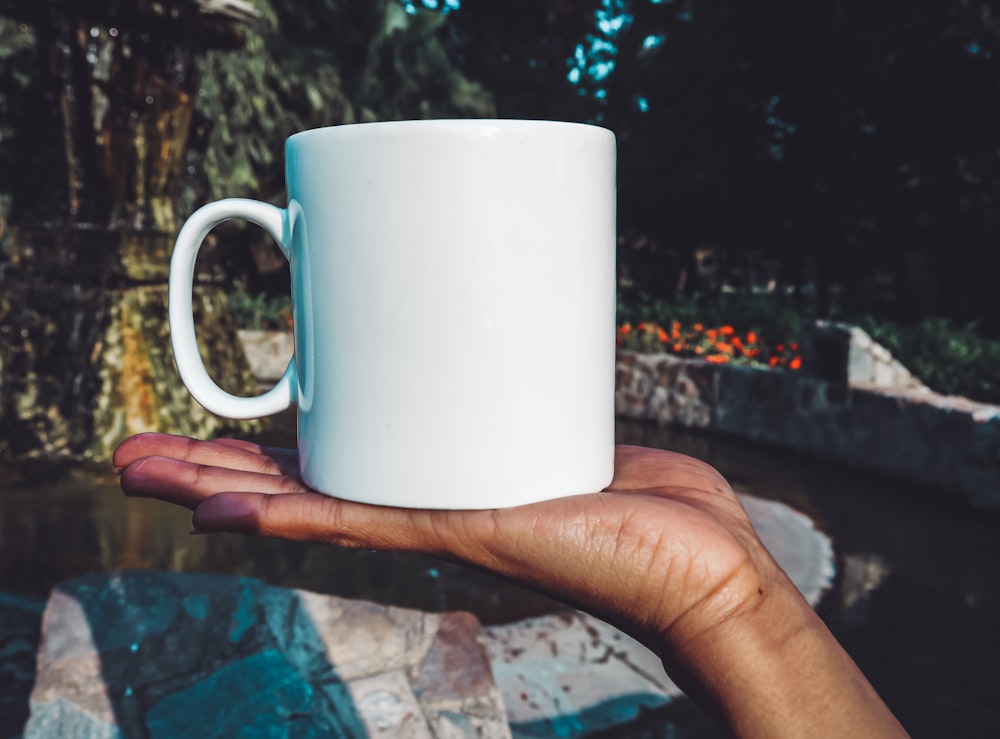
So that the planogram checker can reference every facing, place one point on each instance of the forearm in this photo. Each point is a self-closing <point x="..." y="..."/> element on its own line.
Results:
<point x="776" y="671"/>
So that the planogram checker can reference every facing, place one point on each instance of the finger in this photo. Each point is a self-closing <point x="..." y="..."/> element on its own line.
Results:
<point x="187" y="484"/>
<point x="251" y="446"/>
<point x="658" y="471"/>
<point x="316" y="517"/>
<point x="186" y="449"/>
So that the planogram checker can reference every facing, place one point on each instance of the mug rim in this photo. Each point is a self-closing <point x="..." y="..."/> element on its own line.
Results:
<point x="456" y="125"/>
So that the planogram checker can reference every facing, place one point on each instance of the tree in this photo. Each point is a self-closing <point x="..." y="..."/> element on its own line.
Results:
<point x="323" y="63"/>
<point x="857" y="136"/>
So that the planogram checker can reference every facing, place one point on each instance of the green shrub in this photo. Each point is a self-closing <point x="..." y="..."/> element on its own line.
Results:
<point x="260" y="312"/>
<point x="948" y="358"/>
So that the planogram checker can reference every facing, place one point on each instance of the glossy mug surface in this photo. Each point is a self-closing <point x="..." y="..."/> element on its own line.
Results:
<point x="453" y="290"/>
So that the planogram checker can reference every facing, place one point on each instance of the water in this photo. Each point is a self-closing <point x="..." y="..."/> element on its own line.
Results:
<point x="916" y="601"/>
<point x="917" y="598"/>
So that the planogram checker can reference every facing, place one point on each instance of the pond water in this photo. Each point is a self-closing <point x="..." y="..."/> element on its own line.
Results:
<point x="916" y="601"/>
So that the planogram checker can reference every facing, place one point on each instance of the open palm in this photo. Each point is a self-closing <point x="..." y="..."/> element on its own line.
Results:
<point x="666" y="544"/>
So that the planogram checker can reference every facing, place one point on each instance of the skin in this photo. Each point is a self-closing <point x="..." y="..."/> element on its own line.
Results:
<point x="666" y="553"/>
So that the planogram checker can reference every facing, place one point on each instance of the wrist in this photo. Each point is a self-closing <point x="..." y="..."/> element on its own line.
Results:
<point x="771" y="668"/>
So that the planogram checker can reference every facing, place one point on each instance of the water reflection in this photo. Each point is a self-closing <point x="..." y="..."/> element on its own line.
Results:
<point x="861" y="574"/>
<point x="80" y="522"/>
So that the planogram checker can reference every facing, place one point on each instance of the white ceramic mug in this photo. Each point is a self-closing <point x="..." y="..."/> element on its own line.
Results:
<point x="453" y="291"/>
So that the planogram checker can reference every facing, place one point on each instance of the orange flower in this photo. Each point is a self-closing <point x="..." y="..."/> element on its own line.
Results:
<point x="724" y="347"/>
<point x="698" y="327"/>
<point x="662" y="336"/>
<point x="675" y="330"/>
<point x="717" y="359"/>
<point x="727" y="330"/>
<point x="641" y="326"/>
<point x="795" y="363"/>
<point x="737" y="343"/>
<point x="626" y="329"/>
<point x="772" y="362"/>
<point x="678" y="347"/>
<point x="751" y="337"/>
<point x="712" y="334"/>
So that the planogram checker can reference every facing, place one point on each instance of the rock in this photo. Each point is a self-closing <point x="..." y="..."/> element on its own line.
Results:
<point x="846" y="354"/>
<point x="171" y="655"/>
<point x="267" y="353"/>
<point x="569" y="674"/>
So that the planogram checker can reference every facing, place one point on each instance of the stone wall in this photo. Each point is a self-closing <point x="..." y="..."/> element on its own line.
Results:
<point x="910" y="432"/>
<point x="853" y="403"/>
<point x="845" y="354"/>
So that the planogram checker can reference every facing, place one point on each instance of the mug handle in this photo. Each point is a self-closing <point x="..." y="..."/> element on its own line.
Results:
<point x="272" y="219"/>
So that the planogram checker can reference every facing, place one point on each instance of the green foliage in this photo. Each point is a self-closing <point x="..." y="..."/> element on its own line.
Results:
<point x="260" y="312"/>
<point x="855" y="140"/>
<point x="317" y="64"/>
<point x="520" y="50"/>
<point x="765" y="315"/>
<point x="949" y="358"/>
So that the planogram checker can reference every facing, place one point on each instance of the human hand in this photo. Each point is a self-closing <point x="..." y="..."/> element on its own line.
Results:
<point x="666" y="553"/>
<point x="664" y="515"/>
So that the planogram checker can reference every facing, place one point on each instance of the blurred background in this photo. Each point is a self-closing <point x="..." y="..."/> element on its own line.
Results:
<point x="779" y="163"/>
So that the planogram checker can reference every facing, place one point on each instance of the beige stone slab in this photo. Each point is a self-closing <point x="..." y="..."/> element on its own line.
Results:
<point x="165" y="655"/>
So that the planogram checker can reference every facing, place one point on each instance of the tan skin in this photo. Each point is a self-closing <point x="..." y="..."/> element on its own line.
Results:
<point x="666" y="553"/>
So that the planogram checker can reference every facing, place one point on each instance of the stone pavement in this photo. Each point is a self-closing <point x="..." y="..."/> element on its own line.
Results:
<point x="169" y="655"/>
<point x="173" y="655"/>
